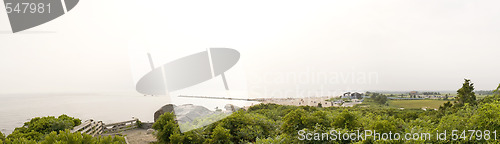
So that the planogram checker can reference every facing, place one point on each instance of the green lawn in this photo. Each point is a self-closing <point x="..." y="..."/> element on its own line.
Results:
<point x="416" y="103"/>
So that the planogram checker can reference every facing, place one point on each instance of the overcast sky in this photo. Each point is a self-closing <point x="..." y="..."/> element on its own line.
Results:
<point x="321" y="45"/>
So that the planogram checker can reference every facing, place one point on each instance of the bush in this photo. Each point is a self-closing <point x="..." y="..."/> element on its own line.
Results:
<point x="18" y="141"/>
<point x="276" y="140"/>
<point x="346" y="119"/>
<point x="220" y="135"/>
<point x="165" y="126"/>
<point x="272" y="123"/>
<point x="2" y="137"/>
<point x="296" y="120"/>
<point x="66" y="137"/>
<point x="194" y="136"/>
<point x="381" y="99"/>
<point x="74" y="138"/>
<point x="37" y="127"/>
<point x="139" y="123"/>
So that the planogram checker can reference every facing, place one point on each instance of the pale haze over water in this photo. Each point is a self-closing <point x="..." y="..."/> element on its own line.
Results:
<point x="290" y="48"/>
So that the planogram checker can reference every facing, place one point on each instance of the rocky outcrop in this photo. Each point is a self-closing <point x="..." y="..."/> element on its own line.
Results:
<point x="164" y="109"/>
<point x="231" y="108"/>
<point x="183" y="113"/>
<point x="189" y="112"/>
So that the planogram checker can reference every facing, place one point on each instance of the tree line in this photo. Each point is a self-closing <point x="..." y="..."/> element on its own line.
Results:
<point x="272" y="123"/>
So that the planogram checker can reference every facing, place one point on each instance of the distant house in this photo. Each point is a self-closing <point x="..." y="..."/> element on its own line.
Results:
<point x="354" y="95"/>
<point x="413" y="94"/>
<point x="347" y="94"/>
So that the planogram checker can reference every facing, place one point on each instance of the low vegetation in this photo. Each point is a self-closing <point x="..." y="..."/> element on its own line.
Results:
<point x="48" y="130"/>
<point x="38" y="127"/>
<point x="2" y="137"/>
<point x="271" y="123"/>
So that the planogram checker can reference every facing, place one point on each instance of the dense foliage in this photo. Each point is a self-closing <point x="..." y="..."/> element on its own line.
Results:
<point x="378" y="98"/>
<point x="37" y="127"/>
<point x="49" y="130"/>
<point x="165" y="126"/>
<point x="466" y="93"/>
<point x="2" y="137"/>
<point x="271" y="123"/>
<point x="67" y="137"/>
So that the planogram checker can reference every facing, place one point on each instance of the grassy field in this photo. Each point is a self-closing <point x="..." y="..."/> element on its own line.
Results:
<point x="416" y="103"/>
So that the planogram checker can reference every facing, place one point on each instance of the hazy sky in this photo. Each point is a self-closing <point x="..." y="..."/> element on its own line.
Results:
<point x="321" y="45"/>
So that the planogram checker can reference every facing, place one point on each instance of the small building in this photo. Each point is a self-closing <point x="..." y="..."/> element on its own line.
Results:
<point x="353" y="95"/>
<point x="413" y="93"/>
<point x="356" y="95"/>
<point x="347" y="94"/>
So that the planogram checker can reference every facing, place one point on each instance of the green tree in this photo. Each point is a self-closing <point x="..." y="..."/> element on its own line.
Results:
<point x="245" y="126"/>
<point x="445" y="106"/>
<point x="78" y="138"/>
<point x="2" y="137"/>
<point x="346" y="119"/>
<point x="194" y="136"/>
<point x="37" y="127"/>
<point x="176" y="138"/>
<point x="380" y="99"/>
<point x="466" y="93"/>
<point x="487" y="117"/>
<point x="220" y="135"/>
<point x="496" y="92"/>
<point x="374" y="95"/>
<point x="295" y="121"/>
<point x="165" y="126"/>
<point x="280" y="139"/>
<point x="18" y="141"/>
<point x="66" y="137"/>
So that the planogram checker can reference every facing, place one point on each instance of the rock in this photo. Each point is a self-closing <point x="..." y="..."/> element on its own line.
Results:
<point x="164" y="109"/>
<point x="231" y="108"/>
<point x="150" y="131"/>
<point x="186" y="114"/>
<point x="189" y="112"/>
<point x="183" y="113"/>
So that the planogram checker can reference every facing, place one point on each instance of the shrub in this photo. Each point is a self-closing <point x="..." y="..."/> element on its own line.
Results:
<point x="220" y="135"/>
<point x="66" y="137"/>
<point x="37" y="127"/>
<point x="2" y="137"/>
<point x="165" y="126"/>
<point x="139" y="123"/>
